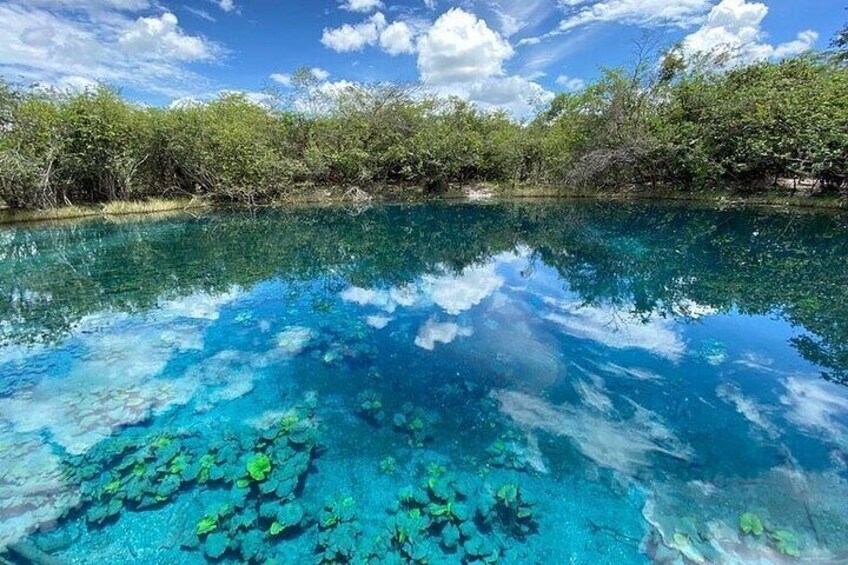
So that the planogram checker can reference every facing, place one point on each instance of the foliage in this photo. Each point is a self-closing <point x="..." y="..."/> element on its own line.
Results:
<point x="135" y="473"/>
<point x="686" y="123"/>
<point x="415" y="423"/>
<point x="751" y="524"/>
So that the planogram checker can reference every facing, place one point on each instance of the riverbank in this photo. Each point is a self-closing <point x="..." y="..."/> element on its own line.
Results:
<point x="475" y="192"/>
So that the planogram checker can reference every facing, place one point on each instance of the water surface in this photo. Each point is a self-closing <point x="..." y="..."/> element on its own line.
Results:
<point x="534" y="383"/>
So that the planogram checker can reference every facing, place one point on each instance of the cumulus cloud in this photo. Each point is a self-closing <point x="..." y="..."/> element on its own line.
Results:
<point x="398" y="38"/>
<point x="460" y="55"/>
<point x="433" y="332"/>
<point x="461" y="47"/>
<point x="394" y="38"/>
<point x="161" y="37"/>
<point x="349" y="37"/>
<point x="735" y="27"/>
<point x="453" y="293"/>
<point x="361" y="5"/>
<point x="52" y="42"/>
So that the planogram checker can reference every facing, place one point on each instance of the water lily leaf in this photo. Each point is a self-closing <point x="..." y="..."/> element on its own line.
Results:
<point x="215" y="546"/>
<point x="750" y="523"/>
<point x="259" y="466"/>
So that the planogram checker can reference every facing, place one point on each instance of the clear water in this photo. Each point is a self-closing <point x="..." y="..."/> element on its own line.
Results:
<point x="537" y="383"/>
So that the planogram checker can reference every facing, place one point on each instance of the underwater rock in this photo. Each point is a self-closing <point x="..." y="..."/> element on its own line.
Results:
<point x="35" y="491"/>
<point x="370" y="406"/>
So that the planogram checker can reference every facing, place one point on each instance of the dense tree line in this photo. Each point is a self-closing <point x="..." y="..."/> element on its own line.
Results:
<point x="685" y="125"/>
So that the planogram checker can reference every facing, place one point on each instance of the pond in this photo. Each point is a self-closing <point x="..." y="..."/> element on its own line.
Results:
<point x="554" y="382"/>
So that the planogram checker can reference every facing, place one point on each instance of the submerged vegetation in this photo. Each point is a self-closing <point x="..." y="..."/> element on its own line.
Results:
<point x="684" y="125"/>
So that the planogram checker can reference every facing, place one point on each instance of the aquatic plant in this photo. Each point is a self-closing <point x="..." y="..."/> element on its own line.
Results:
<point x="514" y="509"/>
<point x="750" y="524"/>
<point x="338" y="532"/>
<point x="262" y="469"/>
<point x="215" y="545"/>
<point x="258" y="466"/>
<point x="506" y="452"/>
<point x="388" y="466"/>
<point x="448" y="516"/>
<point x="786" y="542"/>
<point x="370" y="407"/>
<point x="415" y="423"/>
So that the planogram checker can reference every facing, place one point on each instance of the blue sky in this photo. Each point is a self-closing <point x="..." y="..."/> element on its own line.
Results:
<point x="498" y="53"/>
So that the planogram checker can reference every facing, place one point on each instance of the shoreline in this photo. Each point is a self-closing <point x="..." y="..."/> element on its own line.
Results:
<point x="480" y="193"/>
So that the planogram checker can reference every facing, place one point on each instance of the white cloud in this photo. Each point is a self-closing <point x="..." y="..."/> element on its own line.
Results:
<point x="285" y="79"/>
<point x="460" y="55"/>
<point x="361" y="5"/>
<point x="226" y="5"/>
<point x="617" y="329"/>
<point x="571" y="83"/>
<point x="433" y="332"/>
<point x="517" y="15"/>
<point x="735" y="27"/>
<point x="398" y="38"/>
<point x="99" y="41"/>
<point x="349" y="37"/>
<point x="644" y="13"/>
<point x="461" y="47"/>
<point x="162" y="38"/>
<point x="394" y="38"/>
<point x="320" y="74"/>
<point x="817" y="406"/>
<point x="624" y="444"/>
<point x="457" y="294"/>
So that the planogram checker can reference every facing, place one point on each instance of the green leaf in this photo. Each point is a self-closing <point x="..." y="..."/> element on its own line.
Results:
<point x="750" y="524"/>
<point x="259" y="466"/>
<point x="206" y="525"/>
<point x="786" y="542"/>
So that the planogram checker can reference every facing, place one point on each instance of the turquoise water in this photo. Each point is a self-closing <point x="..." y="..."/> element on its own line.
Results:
<point x="536" y="383"/>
